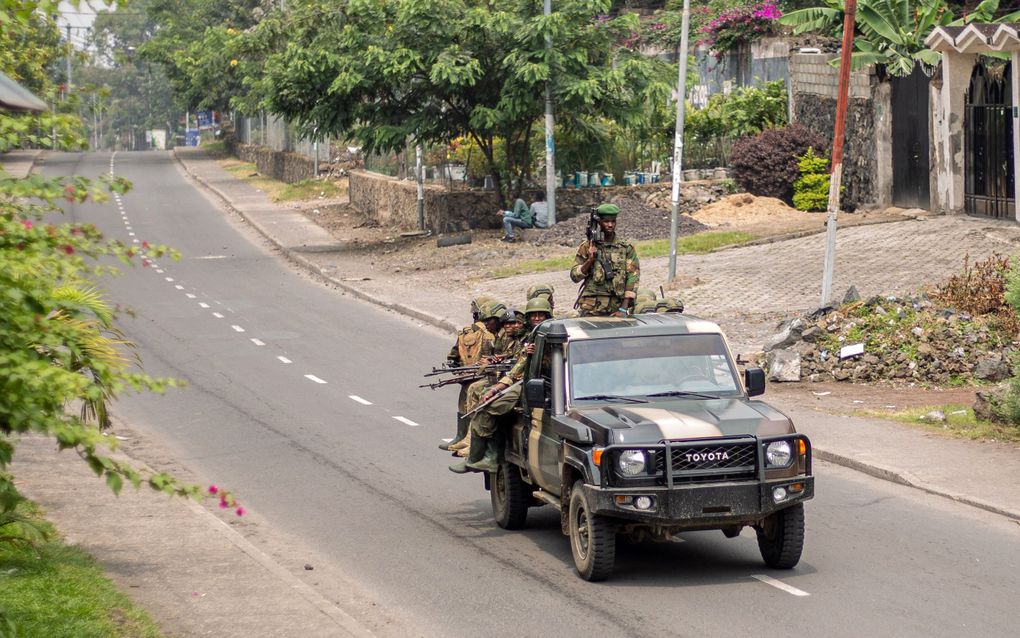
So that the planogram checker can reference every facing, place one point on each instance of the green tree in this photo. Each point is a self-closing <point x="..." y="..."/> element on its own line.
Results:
<point x="386" y="72"/>
<point x="190" y="42"/>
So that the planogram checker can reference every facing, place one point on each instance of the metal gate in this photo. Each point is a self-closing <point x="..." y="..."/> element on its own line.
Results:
<point x="910" y="150"/>
<point x="988" y="143"/>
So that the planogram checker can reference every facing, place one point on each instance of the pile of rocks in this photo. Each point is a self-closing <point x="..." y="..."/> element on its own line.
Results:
<point x="888" y="338"/>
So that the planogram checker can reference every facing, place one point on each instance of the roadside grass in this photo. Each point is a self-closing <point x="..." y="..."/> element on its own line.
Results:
<point x="691" y="244"/>
<point x="277" y="191"/>
<point x="960" y="422"/>
<point x="55" y="590"/>
<point x="216" y="149"/>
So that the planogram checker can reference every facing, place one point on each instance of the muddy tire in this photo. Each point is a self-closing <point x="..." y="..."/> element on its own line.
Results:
<point x="592" y="538"/>
<point x="781" y="537"/>
<point x="510" y="497"/>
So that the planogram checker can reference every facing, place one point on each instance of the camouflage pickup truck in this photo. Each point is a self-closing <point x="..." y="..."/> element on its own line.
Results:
<point x="641" y="426"/>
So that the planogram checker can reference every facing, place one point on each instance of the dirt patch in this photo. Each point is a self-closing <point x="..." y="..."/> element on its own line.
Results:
<point x="768" y="216"/>
<point x="637" y="221"/>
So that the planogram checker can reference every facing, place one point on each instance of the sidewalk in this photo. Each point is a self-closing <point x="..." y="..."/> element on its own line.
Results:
<point x="745" y="289"/>
<point x="19" y="163"/>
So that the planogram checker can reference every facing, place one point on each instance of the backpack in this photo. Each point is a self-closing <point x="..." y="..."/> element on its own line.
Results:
<point x="469" y="344"/>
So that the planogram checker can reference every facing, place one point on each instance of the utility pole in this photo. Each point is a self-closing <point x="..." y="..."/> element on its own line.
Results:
<point x="69" y="49"/>
<point x="419" y="176"/>
<point x="550" y="147"/>
<point x="678" y="138"/>
<point x="836" y="176"/>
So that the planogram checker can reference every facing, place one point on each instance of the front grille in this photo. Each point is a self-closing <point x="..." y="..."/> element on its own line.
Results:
<point x="706" y="463"/>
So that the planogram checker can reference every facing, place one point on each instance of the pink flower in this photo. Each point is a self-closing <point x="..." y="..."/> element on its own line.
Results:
<point x="27" y="223"/>
<point x="69" y="249"/>
<point x="213" y="489"/>
<point x="223" y="503"/>
<point x="145" y="246"/>
<point x="241" y="511"/>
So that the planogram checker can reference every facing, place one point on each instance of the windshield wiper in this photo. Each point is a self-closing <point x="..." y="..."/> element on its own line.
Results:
<point x="610" y="397"/>
<point x="682" y="393"/>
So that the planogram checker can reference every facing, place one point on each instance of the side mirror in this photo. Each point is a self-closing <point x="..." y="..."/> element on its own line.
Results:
<point x="754" y="381"/>
<point x="534" y="392"/>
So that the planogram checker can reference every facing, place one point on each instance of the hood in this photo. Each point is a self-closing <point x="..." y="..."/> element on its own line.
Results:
<point x="683" y="419"/>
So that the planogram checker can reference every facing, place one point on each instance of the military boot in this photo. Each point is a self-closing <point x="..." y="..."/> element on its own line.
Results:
<point x="489" y="461"/>
<point x="462" y="446"/>
<point x="462" y="431"/>
<point x="479" y="446"/>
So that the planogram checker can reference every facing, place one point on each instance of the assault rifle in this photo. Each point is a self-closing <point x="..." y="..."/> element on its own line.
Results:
<point x="593" y="233"/>
<point x="464" y="378"/>
<point x="498" y="366"/>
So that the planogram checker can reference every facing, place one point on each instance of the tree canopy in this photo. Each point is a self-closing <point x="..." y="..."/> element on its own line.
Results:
<point x="386" y="71"/>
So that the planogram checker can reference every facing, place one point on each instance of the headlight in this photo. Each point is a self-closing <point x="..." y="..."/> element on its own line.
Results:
<point x="631" y="462"/>
<point x="778" y="454"/>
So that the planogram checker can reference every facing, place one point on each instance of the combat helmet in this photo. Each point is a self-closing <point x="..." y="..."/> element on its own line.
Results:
<point x="662" y="306"/>
<point x="511" y="315"/>
<point x="538" y="304"/>
<point x="646" y="294"/>
<point x="492" y="309"/>
<point x="644" y="306"/>
<point x="477" y="304"/>
<point x="540" y="290"/>
<point x="676" y="304"/>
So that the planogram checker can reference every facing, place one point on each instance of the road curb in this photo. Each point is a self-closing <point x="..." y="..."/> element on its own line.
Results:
<point x="875" y="471"/>
<point x="409" y="311"/>
<point x="894" y="476"/>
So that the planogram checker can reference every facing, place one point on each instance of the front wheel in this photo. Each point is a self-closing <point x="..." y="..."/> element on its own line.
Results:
<point x="592" y="538"/>
<point x="509" y="495"/>
<point x="781" y="537"/>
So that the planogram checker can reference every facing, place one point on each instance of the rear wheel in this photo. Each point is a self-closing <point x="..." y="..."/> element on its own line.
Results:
<point x="592" y="538"/>
<point x="509" y="495"/>
<point x="781" y="537"/>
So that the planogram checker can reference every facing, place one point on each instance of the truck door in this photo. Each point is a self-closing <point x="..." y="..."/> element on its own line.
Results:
<point x="543" y="445"/>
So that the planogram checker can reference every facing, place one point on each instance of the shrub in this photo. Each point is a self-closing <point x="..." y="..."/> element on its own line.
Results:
<point x="766" y="164"/>
<point x="811" y="191"/>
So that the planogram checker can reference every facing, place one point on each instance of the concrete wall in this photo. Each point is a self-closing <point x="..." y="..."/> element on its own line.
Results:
<point x="948" y="91"/>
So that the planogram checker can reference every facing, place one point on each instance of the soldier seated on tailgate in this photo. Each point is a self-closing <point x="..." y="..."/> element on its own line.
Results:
<point x="609" y="269"/>
<point x="473" y="342"/>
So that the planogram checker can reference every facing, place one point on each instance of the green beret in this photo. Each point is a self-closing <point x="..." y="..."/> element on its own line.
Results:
<point x="607" y="210"/>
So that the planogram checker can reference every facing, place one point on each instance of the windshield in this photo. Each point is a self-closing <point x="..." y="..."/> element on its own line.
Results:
<point x="642" y="366"/>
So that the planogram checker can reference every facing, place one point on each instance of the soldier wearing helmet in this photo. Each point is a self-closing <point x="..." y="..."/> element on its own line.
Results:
<point x="473" y="342"/>
<point x="505" y="346"/>
<point x="608" y="266"/>
<point x="483" y="452"/>
<point x="542" y="290"/>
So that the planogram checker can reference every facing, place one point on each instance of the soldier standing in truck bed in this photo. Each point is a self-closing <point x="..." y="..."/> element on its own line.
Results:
<point x="609" y="269"/>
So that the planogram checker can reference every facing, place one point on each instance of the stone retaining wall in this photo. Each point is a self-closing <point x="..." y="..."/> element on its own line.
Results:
<point x="395" y="202"/>
<point x="285" y="167"/>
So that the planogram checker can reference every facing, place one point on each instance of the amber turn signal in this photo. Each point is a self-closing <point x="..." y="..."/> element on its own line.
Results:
<point x="802" y="446"/>
<point x="596" y="456"/>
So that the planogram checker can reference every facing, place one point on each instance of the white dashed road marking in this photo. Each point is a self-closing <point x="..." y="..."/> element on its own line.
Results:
<point x="237" y="328"/>
<point x="179" y="287"/>
<point x="169" y="278"/>
<point x="159" y="271"/>
<point x="778" y="584"/>
<point x="217" y="315"/>
<point x="312" y="377"/>
<point x="406" y="421"/>
<point x="257" y="342"/>
<point x="355" y="397"/>
<point x="189" y="295"/>
<point x="284" y="359"/>
<point x="203" y="305"/>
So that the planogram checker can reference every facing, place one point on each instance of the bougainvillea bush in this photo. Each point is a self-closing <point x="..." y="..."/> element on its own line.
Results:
<point x="740" y="25"/>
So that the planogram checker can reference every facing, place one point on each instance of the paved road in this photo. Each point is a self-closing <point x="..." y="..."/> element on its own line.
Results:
<point x="305" y="402"/>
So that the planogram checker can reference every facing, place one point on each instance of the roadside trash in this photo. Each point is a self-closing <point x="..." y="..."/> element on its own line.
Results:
<point x="821" y="394"/>
<point x="851" y="350"/>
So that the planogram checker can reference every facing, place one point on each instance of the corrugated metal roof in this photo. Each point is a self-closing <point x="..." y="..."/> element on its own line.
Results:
<point x="14" y="97"/>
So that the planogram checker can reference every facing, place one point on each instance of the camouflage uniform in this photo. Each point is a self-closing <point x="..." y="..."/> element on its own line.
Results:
<point x="458" y="357"/>
<point x="603" y="295"/>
